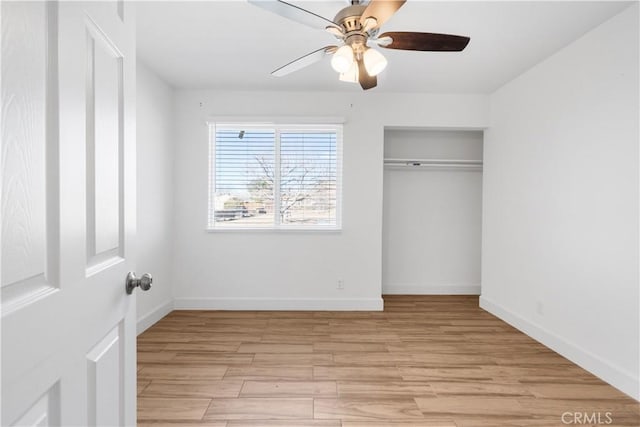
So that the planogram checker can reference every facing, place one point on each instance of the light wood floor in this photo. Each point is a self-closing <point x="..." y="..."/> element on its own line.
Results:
<point x="424" y="361"/>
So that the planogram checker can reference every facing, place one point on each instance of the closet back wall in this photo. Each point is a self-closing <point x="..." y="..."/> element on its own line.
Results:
<point x="431" y="235"/>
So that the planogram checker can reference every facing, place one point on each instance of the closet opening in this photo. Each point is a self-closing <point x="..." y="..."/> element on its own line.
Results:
<point x="432" y="211"/>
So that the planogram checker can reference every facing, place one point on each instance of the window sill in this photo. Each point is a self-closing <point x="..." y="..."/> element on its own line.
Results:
<point x="276" y="230"/>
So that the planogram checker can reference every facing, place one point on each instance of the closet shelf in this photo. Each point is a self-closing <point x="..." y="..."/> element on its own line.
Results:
<point x="434" y="163"/>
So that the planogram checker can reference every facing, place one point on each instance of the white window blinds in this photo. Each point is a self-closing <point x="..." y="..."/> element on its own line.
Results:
<point x="285" y="177"/>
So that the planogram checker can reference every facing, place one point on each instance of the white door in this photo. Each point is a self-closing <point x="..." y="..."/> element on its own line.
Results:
<point x="68" y="213"/>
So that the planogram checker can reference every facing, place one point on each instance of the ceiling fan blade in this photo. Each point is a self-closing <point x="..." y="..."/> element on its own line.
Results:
<point x="294" y="13"/>
<point x="304" y="61"/>
<point x="366" y="81"/>
<point x="382" y="10"/>
<point x="425" y="41"/>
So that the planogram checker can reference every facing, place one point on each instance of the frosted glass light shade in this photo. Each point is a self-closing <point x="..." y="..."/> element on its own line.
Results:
<point x="374" y="62"/>
<point x="351" y="75"/>
<point x="342" y="59"/>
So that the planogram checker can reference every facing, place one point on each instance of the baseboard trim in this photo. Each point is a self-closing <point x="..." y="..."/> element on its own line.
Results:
<point x="149" y="319"/>
<point x="431" y="290"/>
<point x="617" y="377"/>
<point x="288" y="304"/>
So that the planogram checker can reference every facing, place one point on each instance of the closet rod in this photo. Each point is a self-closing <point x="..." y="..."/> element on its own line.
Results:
<point x="433" y="162"/>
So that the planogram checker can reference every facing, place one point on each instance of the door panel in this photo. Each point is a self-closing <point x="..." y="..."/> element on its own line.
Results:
<point x="44" y="412"/>
<point x="105" y="376"/>
<point x="104" y="166"/>
<point x="28" y="164"/>
<point x="68" y="213"/>
<point x="24" y="148"/>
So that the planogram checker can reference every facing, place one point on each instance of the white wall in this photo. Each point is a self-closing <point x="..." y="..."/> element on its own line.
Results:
<point x="155" y="145"/>
<point x="560" y="229"/>
<point x="296" y="270"/>
<point x="431" y="216"/>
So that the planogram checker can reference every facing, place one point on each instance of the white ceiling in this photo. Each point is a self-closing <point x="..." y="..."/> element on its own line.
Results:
<point x="234" y="45"/>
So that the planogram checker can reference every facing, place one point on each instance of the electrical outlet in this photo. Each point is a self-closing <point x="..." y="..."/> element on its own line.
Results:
<point x="340" y="284"/>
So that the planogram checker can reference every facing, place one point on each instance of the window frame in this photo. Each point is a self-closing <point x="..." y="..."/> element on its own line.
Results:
<point x="277" y="128"/>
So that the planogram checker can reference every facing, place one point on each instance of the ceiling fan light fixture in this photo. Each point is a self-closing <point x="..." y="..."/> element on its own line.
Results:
<point x="351" y="75"/>
<point x="374" y="62"/>
<point x="342" y="59"/>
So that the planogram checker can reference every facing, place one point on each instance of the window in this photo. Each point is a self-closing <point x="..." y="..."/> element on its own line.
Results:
<point x="275" y="177"/>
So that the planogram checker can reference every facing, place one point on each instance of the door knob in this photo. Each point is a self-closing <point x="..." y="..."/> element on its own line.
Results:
<point x="133" y="282"/>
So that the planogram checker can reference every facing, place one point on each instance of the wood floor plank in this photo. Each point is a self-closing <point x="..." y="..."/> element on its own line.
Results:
<point x="252" y="372"/>
<point x="259" y="409"/>
<point x="185" y="335"/>
<point x="372" y="336"/>
<point x="171" y="408"/>
<point x="340" y="346"/>
<point x="446" y="359"/>
<point x="181" y="372"/>
<point x="275" y="348"/>
<point x="155" y="356"/>
<point x="356" y="372"/>
<point x="570" y="391"/>
<point x="289" y="389"/>
<point x="495" y="372"/>
<point x="373" y="359"/>
<point x="533" y="360"/>
<point x="208" y="358"/>
<point x="150" y="346"/>
<point x="387" y="389"/>
<point x="220" y="337"/>
<point x="467" y="347"/>
<point x="366" y="409"/>
<point x="293" y="359"/>
<point x="284" y="423"/>
<point x="296" y="323"/>
<point x="492" y="388"/>
<point x="141" y="385"/>
<point x="193" y="389"/>
<point x="153" y="336"/>
<point x="495" y="408"/>
<point x="397" y="423"/>
<point x="226" y="329"/>
<point x="226" y="347"/>
<point x="182" y="423"/>
<point x="280" y="337"/>
<point x="462" y="373"/>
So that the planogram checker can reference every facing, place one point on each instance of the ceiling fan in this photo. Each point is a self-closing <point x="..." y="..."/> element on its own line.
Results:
<point x="358" y="26"/>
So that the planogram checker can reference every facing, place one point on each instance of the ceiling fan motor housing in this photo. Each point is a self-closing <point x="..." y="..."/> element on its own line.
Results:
<point x="349" y="19"/>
